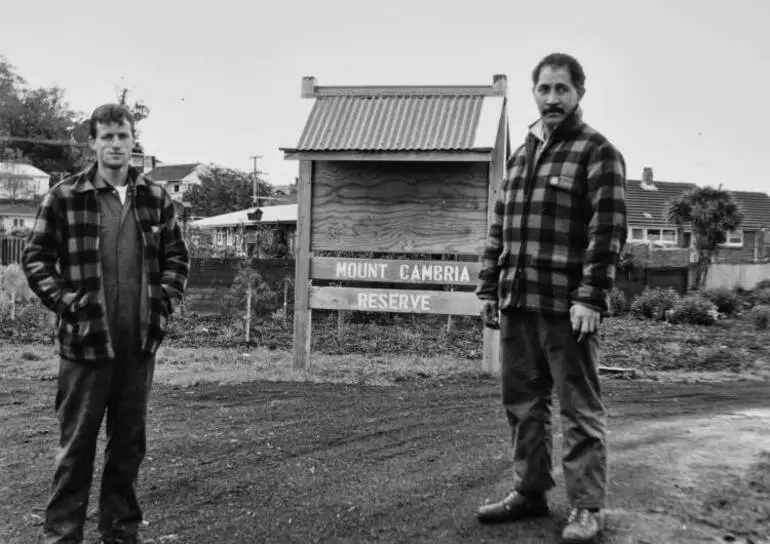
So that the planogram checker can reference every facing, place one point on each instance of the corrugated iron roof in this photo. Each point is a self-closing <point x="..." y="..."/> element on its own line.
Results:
<point x="416" y="122"/>
<point x="286" y="213"/>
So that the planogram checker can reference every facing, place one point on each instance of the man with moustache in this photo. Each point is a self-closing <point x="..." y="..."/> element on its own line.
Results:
<point x="106" y="254"/>
<point x="550" y="261"/>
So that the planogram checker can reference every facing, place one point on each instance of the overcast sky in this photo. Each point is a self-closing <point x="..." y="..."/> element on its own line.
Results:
<point x="678" y="85"/>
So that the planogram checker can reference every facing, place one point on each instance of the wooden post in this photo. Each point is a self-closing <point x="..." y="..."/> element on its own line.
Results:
<point x="285" y="301"/>
<point x="302" y="312"/>
<point x="340" y="326"/>
<point x="248" y="309"/>
<point x="491" y="360"/>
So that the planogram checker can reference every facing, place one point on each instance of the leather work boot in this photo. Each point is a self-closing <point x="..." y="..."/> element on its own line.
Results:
<point x="582" y="526"/>
<point x="513" y="507"/>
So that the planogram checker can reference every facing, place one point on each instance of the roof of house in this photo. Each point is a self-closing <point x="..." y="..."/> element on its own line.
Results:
<point x="20" y="169"/>
<point x="171" y="172"/>
<point x="399" y="118"/>
<point x="648" y="207"/>
<point x="286" y="213"/>
<point x="755" y="206"/>
<point x="18" y="208"/>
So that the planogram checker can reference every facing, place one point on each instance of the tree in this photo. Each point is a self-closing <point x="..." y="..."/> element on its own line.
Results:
<point x="224" y="190"/>
<point x="36" y="125"/>
<point x="711" y="213"/>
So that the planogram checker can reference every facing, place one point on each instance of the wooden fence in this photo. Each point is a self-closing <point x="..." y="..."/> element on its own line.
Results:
<point x="11" y="249"/>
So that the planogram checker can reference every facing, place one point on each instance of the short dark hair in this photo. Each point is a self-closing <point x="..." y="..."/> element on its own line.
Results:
<point x="111" y="113"/>
<point x="562" y="60"/>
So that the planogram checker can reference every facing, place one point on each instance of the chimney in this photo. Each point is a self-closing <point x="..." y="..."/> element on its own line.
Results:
<point x="647" y="175"/>
<point x="500" y="83"/>
<point x="308" y="87"/>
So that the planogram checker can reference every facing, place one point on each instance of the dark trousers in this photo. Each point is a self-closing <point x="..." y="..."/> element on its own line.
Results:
<point x="539" y="354"/>
<point x="86" y="392"/>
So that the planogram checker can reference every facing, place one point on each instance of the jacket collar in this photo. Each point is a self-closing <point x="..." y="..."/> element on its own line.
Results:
<point x="569" y="125"/>
<point x="88" y="179"/>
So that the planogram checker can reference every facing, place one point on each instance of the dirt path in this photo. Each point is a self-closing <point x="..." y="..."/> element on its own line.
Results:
<point x="287" y="462"/>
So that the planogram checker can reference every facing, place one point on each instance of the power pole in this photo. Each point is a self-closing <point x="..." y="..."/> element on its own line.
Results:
<point x="249" y="288"/>
<point x="256" y="178"/>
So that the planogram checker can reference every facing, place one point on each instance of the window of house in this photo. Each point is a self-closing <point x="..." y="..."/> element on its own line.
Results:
<point x="668" y="236"/>
<point x="654" y="235"/>
<point x="220" y="237"/>
<point x="734" y="239"/>
<point x="176" y="188"/>
<point x="19" y="223"/>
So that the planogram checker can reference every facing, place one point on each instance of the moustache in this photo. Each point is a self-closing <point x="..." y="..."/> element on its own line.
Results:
<point x="553" y="110"/>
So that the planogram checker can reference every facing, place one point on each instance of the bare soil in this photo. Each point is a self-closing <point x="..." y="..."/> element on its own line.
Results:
<point x="304" y="462"/>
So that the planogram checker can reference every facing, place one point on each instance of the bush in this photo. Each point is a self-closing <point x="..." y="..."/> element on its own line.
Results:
<point x="694" y="309"/>
<point x="762" y="295"/>
<point x="760" y="315"/>
<point x="618" y="304"/>
<point x="726" y="301"/>
<point x="764" y="284"/>
<point x="653" y="303"/>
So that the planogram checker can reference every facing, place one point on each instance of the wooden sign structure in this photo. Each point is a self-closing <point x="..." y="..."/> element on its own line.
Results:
<point x="396" y="170"/>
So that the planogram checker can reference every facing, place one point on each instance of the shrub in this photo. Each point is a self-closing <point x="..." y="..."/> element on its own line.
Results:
<point x="726" y="301"/>
<point x="762" y="295"/>
<point x="760" y="315"/>
<point x="653" y="303"/>
<point x="764" y="284"/>
<point x="694" y="309"/>
<point x="618" y="304"/>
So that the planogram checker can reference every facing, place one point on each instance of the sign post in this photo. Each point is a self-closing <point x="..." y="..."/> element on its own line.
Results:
<point x="396" y="171"/>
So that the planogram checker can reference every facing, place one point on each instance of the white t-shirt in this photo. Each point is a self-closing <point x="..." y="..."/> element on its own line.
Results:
<point x="122" y="193"/>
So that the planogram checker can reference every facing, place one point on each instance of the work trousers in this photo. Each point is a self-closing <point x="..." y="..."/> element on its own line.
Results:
<point x="87" y="391"/>
<point x="540" y="354"/>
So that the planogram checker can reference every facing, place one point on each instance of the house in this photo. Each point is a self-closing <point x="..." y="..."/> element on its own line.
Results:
<point x="21" y="181"/>
<point x="143" y="163"/>
<point x="646" y="201"/>
<point x="178" y="178"/>
<point x="235" y="230"/>
<point x="285" y="194"/>
<point x="16" y="215"/>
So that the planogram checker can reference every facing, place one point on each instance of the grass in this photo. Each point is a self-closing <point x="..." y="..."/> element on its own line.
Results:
<point x="187" y="366"/>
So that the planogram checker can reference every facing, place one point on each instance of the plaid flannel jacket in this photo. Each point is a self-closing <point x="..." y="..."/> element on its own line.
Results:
<point x="559" y="222"/>
<point x="62" y="263"/>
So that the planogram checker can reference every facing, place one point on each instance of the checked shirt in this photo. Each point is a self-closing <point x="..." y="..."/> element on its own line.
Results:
<point x="559" y="222"/>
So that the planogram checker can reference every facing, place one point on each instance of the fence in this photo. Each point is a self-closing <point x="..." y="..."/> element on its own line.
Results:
<point x="730" y="276"/>
<point x="11" y="249"/>
<point x="210" y="280"/>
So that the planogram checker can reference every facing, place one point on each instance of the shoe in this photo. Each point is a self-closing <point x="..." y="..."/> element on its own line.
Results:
<point x="513" y="507"/>
<point x="582" y="526"/>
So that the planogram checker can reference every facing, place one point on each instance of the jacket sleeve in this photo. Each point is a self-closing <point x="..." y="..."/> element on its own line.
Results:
<point x="175" y="260"/>
<point x="607" y="228"/>
<point x="41" y="258"/>
<point x="490" y="270"/>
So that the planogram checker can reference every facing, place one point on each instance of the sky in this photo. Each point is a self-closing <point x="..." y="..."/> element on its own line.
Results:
<point x="681" y="86"/>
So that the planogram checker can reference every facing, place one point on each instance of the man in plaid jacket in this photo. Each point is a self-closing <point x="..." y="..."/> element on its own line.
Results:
<point x="106" y="254"/>
<point x="550" y="261"/>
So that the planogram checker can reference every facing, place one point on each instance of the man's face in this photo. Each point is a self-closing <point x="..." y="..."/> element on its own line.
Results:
<point x="113" y="144"/>
<point x="555" y="95"/>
